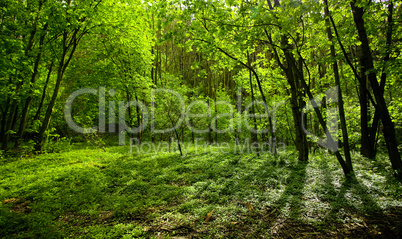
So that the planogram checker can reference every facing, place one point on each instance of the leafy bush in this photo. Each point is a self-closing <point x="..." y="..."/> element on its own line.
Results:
<point x="57" y="145"/>
<point x="28" y="148"/>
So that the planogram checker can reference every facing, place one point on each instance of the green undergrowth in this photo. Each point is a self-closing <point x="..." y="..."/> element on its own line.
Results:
<point x="92" y="193"/>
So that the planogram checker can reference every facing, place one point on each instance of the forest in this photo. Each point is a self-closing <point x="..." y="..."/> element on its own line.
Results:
<point x="200" y="119"/>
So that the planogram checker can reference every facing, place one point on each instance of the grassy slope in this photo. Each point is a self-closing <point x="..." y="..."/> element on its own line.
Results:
<point x="93" y="194"/>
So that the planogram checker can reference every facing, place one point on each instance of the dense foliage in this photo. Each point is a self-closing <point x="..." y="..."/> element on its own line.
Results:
<point x="271" y="77"/>
<point x="283" y="55"/>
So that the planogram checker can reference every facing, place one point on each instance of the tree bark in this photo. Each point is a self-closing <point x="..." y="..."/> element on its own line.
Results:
<point x="23" y="120"/>
<point x="38" y="111"/>
<point x="254" y="136"/>
<point x="10" y="121"/>
<point x="381" y="106"/>
<point x="296" y="100"/>
<point x="64" y="61"/>
<point x="345" y="137"/>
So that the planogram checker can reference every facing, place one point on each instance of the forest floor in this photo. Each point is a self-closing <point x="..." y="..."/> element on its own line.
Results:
<point x="96" y="193"/>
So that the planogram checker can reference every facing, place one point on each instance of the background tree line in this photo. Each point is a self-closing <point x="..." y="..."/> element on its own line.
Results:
<point x="274" y="51"/>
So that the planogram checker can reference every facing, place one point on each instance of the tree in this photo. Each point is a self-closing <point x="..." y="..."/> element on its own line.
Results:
<point x="345" y="136"/>
<point x="71" y="22"/>
<point x="367" y="64"/>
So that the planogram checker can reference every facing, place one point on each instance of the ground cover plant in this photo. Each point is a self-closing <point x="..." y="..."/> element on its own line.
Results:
<point x="214" y="193"/>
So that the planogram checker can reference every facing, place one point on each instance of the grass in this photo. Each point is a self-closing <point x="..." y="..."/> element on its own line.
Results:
<point x="89" y="193"/>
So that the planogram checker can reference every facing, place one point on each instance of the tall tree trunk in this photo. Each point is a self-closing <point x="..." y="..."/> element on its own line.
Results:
<point x="209" y="134"/>
<point x="345" y="137"/>
<point x="4" y="116"/>
<point x="49" y="110"/>
<point x="238" y="118"/>
<point x="296" y="100"/>
<point x="64" y="61"/>
<point x="10" y="121"/>
<point x="177" y="137"/>
<point x="375" y="125"/>
<point x="13" y="113"/>
<point x="216" y="122"/>
<point x="254" y="136"/>
<point x="137" y="109"/>
<point x="34" y="75"/>
<point x="291" y="62"/>
<point x="388" y="125"/>
<point x="301" y="139"/>
<point x="292" y="68"/>
<point x="366" y="149"/>
<point x="38" y="111"/>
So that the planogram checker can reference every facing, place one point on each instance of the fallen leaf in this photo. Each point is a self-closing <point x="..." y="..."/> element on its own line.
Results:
<point x="209" y="215"/>
<point x="11" y="200"/>
<point x="250" y="207"/>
